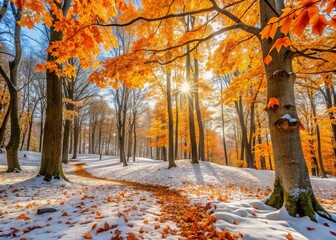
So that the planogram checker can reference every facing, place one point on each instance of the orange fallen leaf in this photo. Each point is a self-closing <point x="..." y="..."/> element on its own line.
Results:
<point x="87" y="235"/>
<point x="289" y="236"/>
<point x="131" y="236"/>
<point x="23" y="217"/>
<point x="117" y="232"/>
<point x="235" y="222"/>
<point x="94" y="226"/>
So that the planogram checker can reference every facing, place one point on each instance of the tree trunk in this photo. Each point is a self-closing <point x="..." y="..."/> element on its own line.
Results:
<point x="292" y="187"/>
<point x="70" y="138"/>
<point x="135" y="140"/>
<point x="129" y="142"/>
<point x="31" y="126"/>
<point x="12" y="83"/>
<point x="269" y="153"/>
<point x="245" y="144"/>
<point x="176" y="127"/>
<point x="171" y="162"/>
<point x="3" y="126"/>
<point x="201" y="153"/>
<point x="318" y="135"/>
<point x="331" y="114"/>
<point x="41" y="128"/>
<point x="76" y="137"/>
<point x="192" y="132"/>
<point x="223" y="130"/>
<point x="66" y="138"/>
<point x="51" y="167"/>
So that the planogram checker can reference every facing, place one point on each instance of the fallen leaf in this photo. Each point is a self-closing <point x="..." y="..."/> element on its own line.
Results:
<point x="131" y="236"/>
<point x="117" y="232"/>
<point x="310" y="228"/>
<point x="87" y="235"/>
<point x="94" y="226"/>
<point x="23" y="217"/>
<point x="289" y="236"/>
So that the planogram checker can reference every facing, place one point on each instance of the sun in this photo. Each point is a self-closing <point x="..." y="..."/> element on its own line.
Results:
<point x="185" y="87"/>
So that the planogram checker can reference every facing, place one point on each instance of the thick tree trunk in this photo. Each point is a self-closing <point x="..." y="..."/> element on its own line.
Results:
<point x="51" y="167"/>
<point x="292" y="187"/>
<point x="12" y="147"/>
<point x="171" y="162"/>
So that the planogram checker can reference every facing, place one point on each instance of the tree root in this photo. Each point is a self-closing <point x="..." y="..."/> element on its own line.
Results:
<point x="303" y="204"/>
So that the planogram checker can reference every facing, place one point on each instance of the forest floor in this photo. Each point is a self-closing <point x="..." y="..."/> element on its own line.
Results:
<point x="145" y="200"/>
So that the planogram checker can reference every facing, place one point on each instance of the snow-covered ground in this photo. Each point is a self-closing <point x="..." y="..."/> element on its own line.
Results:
<point x="234" y="196"/>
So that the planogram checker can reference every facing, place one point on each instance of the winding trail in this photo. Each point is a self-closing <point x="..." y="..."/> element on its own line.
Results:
<point x="192" y="219"/>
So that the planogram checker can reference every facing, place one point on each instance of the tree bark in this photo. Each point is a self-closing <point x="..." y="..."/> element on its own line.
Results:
<point x="51" y="167"/>
<point x="246" y="145"/>
<point x="76" y="137"/>
<point x="12" y="82"/>
<point x="31" y="124"/>
<point x="223" y="128"/>
<point x="292" y="187"/>
<point x="176" y="127"/>
<point x="171" y="162"/>
<point x="41" y="128"/>
<point x="134" y="141"/>
<point x="192" y="132"/>
<point x="318" y="135"/>
<point x="66" y="138"/>
<point x="3" y="126"/>
<point x="201" y="153"/>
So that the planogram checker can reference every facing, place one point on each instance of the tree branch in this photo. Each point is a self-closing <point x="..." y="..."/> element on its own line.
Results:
<point x="243" y="26"/>
<point x="3" y="9"/>
<point x="8" y="81"/>
<point x="198" y="40"/>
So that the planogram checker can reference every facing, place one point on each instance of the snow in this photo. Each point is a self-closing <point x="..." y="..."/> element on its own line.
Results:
<point x="289" y="118"/>
<point x="235" y="197"/>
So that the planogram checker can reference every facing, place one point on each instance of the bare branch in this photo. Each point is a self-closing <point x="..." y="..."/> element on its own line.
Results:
<point x="3" y="9"/>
